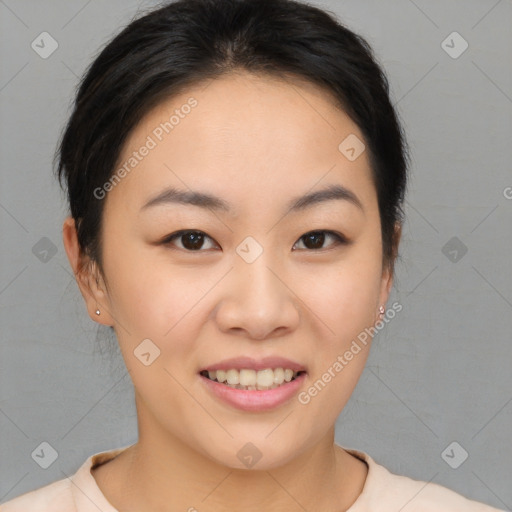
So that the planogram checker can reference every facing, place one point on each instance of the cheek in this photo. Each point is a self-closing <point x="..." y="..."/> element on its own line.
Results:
<point x="149" y="297"/>
<point x="345" y="303"/>
<point x="344" y="295"/>
<point x="343" y="298"/>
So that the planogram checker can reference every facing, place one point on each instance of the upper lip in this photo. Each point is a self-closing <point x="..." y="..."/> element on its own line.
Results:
<point x="255" y="364"/>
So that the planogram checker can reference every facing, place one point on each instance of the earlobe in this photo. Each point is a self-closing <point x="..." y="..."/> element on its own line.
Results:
<point x="388" y="271"/>
<point x="85" y="272"/>
<point x="386" y="284"/>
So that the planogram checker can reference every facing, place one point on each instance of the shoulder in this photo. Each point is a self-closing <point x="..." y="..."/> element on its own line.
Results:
<point x="54" y="497"/>
<point x="384" y="491"/>
<point x="78" y="493"/>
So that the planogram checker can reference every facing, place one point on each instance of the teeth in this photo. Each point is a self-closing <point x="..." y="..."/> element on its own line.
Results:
<point x="265" y="378"/>
<point x="233" y="377"/>
<point x="250" y="379"/>
<point x="278" y="376"/>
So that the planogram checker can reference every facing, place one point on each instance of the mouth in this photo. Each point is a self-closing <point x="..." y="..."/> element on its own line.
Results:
<point x="252" y="380"/>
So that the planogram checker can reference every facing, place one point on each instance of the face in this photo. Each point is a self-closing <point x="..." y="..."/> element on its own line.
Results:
<point x="263" y="276"/>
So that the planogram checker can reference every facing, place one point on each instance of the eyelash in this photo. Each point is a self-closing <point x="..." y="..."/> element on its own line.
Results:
<point x="340" y="239"/>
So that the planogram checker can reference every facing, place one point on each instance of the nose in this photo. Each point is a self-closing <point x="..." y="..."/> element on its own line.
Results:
<point x="257" y="301"/>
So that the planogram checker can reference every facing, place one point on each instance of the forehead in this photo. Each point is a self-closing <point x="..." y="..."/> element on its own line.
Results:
<point x="243" y="137"/>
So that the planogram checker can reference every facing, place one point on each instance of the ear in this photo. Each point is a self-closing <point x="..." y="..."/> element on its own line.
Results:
<point x="87" y="275"/>
<point x="388" y="271"/>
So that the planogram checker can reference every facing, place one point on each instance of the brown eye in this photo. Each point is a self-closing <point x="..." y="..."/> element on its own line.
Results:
<point x="192" y="241"/>
<point x="315" y="240"/>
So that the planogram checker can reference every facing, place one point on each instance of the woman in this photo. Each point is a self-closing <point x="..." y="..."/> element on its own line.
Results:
<point x="236" y="174"/>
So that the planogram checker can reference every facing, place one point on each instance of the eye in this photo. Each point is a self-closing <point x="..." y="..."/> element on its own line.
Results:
<point x="315" y="239"/>
<point x="191" y="240"/>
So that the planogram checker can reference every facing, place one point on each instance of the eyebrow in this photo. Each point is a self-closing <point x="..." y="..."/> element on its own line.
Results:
<point x="203" y="200"/>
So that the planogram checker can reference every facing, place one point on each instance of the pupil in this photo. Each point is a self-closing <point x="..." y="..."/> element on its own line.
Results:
<point x="195" y="238"/>
<point x="311" y="237"/>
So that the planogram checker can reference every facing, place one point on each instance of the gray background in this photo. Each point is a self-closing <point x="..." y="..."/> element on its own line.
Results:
<point x="438" y="373"/>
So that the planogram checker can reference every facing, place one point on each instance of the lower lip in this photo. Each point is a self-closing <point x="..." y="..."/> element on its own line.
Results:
<point x="255" y="400"/>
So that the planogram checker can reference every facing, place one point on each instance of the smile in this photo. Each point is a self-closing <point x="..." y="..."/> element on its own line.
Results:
<point x="252" y="380"/>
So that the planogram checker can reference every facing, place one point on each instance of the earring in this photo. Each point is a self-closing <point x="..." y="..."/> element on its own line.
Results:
<point x="382" y="310"/>
<point x="97" y="311"/>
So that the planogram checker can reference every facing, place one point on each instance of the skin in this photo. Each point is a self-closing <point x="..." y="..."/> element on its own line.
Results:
<point x="256" y="142"/>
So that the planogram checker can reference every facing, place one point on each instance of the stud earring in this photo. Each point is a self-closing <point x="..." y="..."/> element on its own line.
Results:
<point x="382" y="310"/>
<point x="97" y="311"/>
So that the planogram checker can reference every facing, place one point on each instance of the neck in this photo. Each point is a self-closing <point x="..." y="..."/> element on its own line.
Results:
<point x="161" y="473"/>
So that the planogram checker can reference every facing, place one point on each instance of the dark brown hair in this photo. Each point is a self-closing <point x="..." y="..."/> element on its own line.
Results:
<point x="186" y="42"/>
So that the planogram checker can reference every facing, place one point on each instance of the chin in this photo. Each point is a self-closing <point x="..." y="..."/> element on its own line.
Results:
<point x="255" y="453"/>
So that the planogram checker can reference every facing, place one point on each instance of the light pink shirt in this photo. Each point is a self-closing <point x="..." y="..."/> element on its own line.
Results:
<point x="383" y="491"/>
